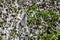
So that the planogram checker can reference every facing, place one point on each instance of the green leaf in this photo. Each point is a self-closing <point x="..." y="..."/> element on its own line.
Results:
<point x="1" y="23"/>
<point x="1" y="38"/>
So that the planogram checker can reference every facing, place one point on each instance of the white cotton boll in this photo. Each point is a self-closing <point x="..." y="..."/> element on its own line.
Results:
<point x="8" y="19"/>
<point x="41" y="0"/>
<point x="1" y="30"/>
<point x="41" y="9"/>
<point x="59" y="18"/>
<point x="40" y="26"/>
<point x="59" y="3"/>
<point x="37" y="32"/>
<point x="10" y="28"/>
<point x="16" y="4"/>
<point x="27" y="3"/>
<point x="4" y="11"/>
<point x="33" y="13"/>
<point x="58" y="26"/>
<point x="20" y="16"/>
<point x="22" y="35"/>
<point x="7" y="34"/>
<point x="17" y="25"/>
<point x="1" y="20"/>
<point x="55" y="2"/>
<point x="4" y="38"/>
<point x="31" y="35"/>
<point x="4" y="30"/>
<point x="2" y="16"/>
<point x="13" y="13"/>
<point x="41" y="31"/>
<point x="38" y="2"/>
<point x="17" y="38"/>
<point x="35" y="36"/>
<point x="27" y="30"/>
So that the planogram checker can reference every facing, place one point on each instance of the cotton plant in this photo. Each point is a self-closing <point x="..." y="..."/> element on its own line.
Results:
<point x="24" y="20"/>
<point x="49" y="24"/>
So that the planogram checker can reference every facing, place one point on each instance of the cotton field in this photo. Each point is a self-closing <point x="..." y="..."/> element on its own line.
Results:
<point x="29" y="19"/>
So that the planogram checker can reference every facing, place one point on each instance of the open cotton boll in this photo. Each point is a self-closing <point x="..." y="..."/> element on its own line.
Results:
<point x="3" y="11"/>
<point x="16" y="4"/>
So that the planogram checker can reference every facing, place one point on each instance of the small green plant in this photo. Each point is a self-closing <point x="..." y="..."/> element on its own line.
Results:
<point x="1" y="23"/>
<point x="1" y="38"/>
<point x="49" y="17"/>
